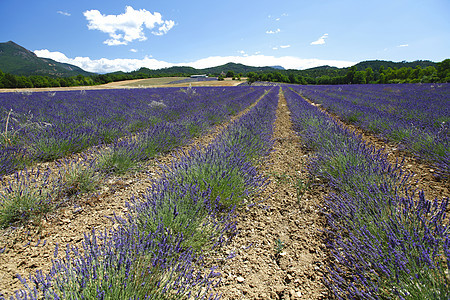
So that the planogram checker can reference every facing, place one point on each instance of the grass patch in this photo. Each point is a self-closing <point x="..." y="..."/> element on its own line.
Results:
<point x="109" y="135"/>
<point x="226" y="183"/>
<point x="182" y="209"/>
<point x="400" y="135"/>
<point x="194" y="129"/>
<point x="79" y="179"/>
<point x="353" y="117"/>
<point x="377" y="126"/>
<point x="116" y="160"/>
<point x="22" y="202"/>
<point x="50" y="148"/>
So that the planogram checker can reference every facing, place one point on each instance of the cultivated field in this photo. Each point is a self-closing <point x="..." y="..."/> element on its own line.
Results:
<point x="136" y="83"/>
<point x="250" y="192"/>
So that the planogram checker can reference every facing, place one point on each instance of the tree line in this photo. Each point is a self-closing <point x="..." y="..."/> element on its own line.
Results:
<point x="418" y="74"/>
<point x="352" y="75"/>
<point x="8" y="80"/>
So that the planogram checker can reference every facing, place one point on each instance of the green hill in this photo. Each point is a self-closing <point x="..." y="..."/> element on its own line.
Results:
<point x="15" y="59"/>
<point x="186" y="71"/>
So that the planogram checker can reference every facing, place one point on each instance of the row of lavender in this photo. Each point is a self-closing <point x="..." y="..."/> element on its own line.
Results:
<point x="417" y="116"/>
<point x="156" y="252"/>
<point x="386" y="241"/>
<point x="45" y="126"/>
<point x="26" y="196"/>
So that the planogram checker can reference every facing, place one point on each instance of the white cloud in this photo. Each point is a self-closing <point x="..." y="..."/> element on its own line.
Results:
<point x="278" y="19"/>
<point x="404" y="45"/>
<point x="105" y="65"/>
<point x="285" y="46"/>
<point x="287" y="62"/>
<point x="275" y="48"/>
<point x="273" y="32"/>
<point x="133" y="50"/>
<point x="63" y="13"/>
<point x="127" y="27"/>
<point x="321" y="40"/>
<point x="164" y="28"/>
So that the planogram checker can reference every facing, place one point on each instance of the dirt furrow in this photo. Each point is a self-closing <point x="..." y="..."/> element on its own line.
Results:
<point x="279" y="252"/>
<point x="25" y="249"/>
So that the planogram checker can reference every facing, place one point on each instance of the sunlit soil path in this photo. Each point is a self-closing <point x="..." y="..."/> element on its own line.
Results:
<point x="25" y="249"/>
<point x="279" y="252"/>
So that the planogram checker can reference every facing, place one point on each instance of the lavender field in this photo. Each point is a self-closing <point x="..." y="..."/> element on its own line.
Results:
<point x="117" y="131"/>
<point x="44" y="126"/>
<point x="416" y="117"/>
<point x="384" y="238"/>
<point x="190" y="209"/>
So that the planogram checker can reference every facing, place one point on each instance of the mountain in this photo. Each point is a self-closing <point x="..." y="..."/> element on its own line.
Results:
<point x="236" y="68"/>
<point x="17" y="60"/>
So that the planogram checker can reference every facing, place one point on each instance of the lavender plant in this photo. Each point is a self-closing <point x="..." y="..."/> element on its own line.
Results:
<point x="123" y="263"/>
<point x="24" y="197"/>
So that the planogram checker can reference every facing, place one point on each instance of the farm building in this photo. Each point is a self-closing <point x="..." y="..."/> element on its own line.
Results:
<point x="199" y="76"/>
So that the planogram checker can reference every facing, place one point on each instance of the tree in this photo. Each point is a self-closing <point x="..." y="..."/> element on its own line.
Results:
<point x="359" y="77"/>
<point x="251" y="77"/>
<point x="369" y="75"/>
<point x="293" y="78"/>
<point x="324" y="79"/>
<point x="443" y="70"/>
<point x="2" y="75"/>
<point x="414" y="74"/>
<point x="350" y="74"/>
<point x="230" y="74"/>
<point x="9" y="81"/>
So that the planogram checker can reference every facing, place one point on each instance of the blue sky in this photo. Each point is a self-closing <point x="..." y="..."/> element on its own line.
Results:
<point x="105" y="36"/>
